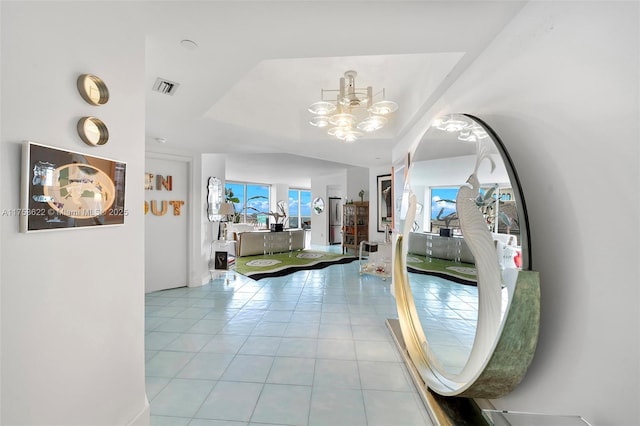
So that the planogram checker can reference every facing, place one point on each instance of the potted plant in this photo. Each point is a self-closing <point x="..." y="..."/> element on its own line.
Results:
<point x="487" y="204"/>
<point x="279" y="216"/>
<point x="447" y="219"/>
<point x="446" y="231"/>
<point x="231" y="198"/>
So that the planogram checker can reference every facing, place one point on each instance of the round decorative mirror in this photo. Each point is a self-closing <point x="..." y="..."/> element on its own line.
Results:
<point x="92" y="89"/>
<point x="318" y="205"/>
<point x="468" y="303"/>
<point x="92" y="131"/>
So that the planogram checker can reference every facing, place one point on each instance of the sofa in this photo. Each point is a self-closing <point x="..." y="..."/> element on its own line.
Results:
<point x="233" y="229"/>
<point x="250" y="243"/>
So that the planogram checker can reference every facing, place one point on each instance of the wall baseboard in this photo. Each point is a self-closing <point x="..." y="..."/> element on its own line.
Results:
<point x="443" y="411"/>
<point x="143" y="418"/>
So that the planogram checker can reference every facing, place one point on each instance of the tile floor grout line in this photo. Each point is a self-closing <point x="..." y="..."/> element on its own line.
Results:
<point x="333" y="290"/>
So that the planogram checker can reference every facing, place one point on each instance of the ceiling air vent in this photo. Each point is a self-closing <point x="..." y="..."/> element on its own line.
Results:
<point x="165" y="86"/>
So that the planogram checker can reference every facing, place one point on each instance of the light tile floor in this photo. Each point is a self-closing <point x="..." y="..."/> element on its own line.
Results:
<point x="311" y="348"/>
<point x="448" y="313"/>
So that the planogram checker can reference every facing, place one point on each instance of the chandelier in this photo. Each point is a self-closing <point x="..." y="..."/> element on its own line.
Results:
<point x="352" y="111"/>
<point x="468" y="130"/>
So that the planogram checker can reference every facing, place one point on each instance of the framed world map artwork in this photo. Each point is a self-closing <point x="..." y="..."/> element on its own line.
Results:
<point x="64" y="189"/>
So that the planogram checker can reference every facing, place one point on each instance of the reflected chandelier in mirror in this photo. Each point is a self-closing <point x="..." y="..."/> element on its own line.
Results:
<point x="468" y="303"/>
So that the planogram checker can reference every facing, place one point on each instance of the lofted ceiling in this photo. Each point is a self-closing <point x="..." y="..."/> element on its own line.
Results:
<point x="244" y="90"/>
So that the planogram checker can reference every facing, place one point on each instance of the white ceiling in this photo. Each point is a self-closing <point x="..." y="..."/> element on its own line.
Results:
<point x="258" y="65"/>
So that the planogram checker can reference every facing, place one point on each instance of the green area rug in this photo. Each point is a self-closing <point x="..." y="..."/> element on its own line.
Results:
<point x="280" y="264"/>
<point x="463" y="273"/>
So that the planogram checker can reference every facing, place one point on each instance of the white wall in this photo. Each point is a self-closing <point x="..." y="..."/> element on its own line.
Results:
<point x="72" y="300"/>
<point x="357" y="179"/>
<point x="335" y="192"/>
<point x="324" y="186"/>
<point x="560" y="87"/>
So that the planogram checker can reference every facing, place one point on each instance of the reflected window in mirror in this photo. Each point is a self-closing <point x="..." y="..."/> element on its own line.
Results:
<point x="496" y="203"/>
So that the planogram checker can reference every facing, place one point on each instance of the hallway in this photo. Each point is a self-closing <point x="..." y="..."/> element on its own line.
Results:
<point x="311" y="348"/>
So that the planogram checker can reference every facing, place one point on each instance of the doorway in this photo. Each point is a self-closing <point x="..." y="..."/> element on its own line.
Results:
<point x="166" y="224"/>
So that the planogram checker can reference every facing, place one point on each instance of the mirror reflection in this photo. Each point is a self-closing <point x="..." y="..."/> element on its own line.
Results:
<point x="318" y="205"/>
<point x="465" y="227"/>
<point x="214" y="199"/>
<point x="92" y="131"/>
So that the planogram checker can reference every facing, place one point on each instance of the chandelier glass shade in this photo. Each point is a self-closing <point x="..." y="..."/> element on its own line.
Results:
<point x="322" y="108"/>
<point x="372" y="123"/>
<point x="319" y="121"/>
<point x="354" y="112"/>
<point x="467" y="130"/>
<point x="383" y="107"/>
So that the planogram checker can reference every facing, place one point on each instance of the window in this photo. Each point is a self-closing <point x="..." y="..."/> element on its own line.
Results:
<point x="501" y="215"/>
<point x="443" y="208"/>
<point x="250" y="202"/>
<point x="299" y="208"/>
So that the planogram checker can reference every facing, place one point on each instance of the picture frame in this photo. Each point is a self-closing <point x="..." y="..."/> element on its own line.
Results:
<point x="385" y="201"/>
<point x="64" y="189"/>
<point x="221" y="260"/>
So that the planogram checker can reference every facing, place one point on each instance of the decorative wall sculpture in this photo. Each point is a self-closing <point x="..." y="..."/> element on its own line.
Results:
<point x="508" y="300"/>
<point x="162" y="183"/>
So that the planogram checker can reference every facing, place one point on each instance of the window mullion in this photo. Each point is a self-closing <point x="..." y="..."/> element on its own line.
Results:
<point x="299" y="209"/>
<point x="245" y="203"/>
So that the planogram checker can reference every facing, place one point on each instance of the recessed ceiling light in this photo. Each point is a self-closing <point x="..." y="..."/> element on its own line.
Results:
<point x="189" y="44"/>
<point x="161" y="140"/>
